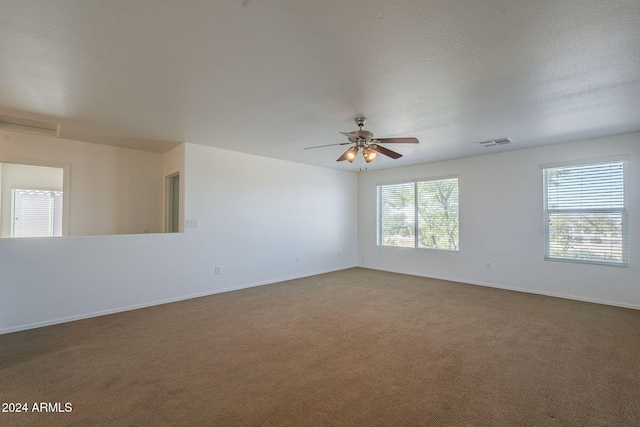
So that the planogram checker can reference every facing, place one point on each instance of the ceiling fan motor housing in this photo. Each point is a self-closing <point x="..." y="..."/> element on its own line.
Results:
<point x="363" y="134"/>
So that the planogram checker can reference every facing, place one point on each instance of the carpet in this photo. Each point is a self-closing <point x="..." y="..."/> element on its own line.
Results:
<point x="355" y="347"/>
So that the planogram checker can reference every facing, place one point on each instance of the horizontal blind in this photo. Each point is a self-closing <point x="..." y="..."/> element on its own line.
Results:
<point x="36" y="213"/>
<point x="586" y="214"/>
<point x="397" y="215"/>
<point x="438" y="214"/>
<point x="419" y="215"/>
<point x="597" y="186"/>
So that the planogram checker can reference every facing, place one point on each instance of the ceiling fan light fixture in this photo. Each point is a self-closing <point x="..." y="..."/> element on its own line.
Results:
<point x="368" y="154"/>
<point x="351" y="154"/>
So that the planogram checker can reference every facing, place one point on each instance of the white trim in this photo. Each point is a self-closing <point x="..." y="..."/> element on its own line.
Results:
<point x="583" y="162"/>
<point x="412" y="180"/>
<point x="510" y="288"/>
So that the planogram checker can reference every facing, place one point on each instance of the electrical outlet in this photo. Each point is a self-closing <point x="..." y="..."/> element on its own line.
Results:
<point x="297" y="260"/>
<point x="217" y="270"/>
<point x="362" y="258"/>
<point x="487" y="265"/>
<point x="192" y="223"/>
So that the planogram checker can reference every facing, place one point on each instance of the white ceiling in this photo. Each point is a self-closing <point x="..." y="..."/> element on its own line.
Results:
<point x="271" y="77"/>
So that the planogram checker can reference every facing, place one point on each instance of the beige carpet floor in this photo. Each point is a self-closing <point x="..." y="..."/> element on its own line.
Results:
<point x="351" y="348"/>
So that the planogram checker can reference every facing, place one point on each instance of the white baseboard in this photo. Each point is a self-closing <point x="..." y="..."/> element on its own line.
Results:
<point x="511" y="288"/>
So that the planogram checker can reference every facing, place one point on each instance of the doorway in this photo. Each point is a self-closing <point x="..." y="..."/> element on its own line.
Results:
<point x="172" y="209"/>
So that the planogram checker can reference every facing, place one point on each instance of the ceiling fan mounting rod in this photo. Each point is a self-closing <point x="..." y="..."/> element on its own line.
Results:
<point x="362" y="137"/>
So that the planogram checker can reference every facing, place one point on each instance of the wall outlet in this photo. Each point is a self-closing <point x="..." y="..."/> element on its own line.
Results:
<point x="217" y="270"/>
<point x="362" y="258"/>
<point x="339" y="254"/>
<point x="297" y="260"/>
<point x="192" y="223"/>
<point x="487" y="265"/>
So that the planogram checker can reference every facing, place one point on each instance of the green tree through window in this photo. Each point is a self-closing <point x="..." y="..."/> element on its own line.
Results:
<point x="419" y="215"/>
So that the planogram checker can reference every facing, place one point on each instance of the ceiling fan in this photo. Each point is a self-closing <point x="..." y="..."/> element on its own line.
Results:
<point x="370" y="145"/>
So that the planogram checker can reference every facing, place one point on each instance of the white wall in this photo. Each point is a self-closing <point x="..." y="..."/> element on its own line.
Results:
<point x="256" y="215"/>
<point x="113" y="190"/>
<point x="263" y="219"/>
<point x="501" y="222"/>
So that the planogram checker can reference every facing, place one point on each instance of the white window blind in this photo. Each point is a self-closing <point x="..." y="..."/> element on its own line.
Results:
<point x="419" y="215"/>
<point x="36" y="213"/>
<point x="585" y="213"/>
<point x="396" y="220"/>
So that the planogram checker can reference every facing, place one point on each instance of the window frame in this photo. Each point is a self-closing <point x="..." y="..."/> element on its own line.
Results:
<point x="416" y="221"/>
<point x="624" y="262"/>
<point x="66" y="183"/>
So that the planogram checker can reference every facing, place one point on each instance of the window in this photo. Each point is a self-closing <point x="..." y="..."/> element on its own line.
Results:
<point x="48" y="176"/>
<point x="36" y="213"/>
<point x="585" y="213"/>
<point x="419" y="215"/>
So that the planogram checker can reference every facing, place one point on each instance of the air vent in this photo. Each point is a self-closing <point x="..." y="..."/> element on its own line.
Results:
<point x="495" y="142"/>
<point x="29" y="126"/>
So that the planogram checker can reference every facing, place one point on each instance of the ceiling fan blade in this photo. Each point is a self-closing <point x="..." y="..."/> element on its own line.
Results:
<point x="350" y="135"/>
<point x="327" y="145"/>
<point x="382" y="150"/>
<point x="396" y="140"/>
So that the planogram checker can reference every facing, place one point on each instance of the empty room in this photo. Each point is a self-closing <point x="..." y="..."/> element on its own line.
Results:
<point x="319" y="213"/>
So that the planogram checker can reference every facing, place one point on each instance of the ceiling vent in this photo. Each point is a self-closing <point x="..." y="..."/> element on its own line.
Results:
<point x="495" y="142"/>
<point x="29" y="126"/>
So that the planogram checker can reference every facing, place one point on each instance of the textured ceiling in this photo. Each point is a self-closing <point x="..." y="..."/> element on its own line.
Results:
<point x="271" y="77"/>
